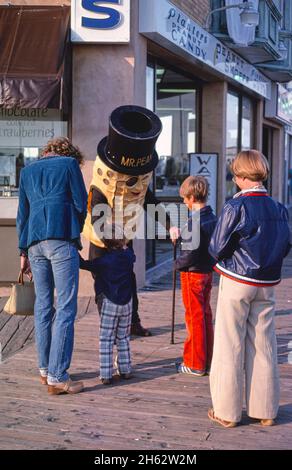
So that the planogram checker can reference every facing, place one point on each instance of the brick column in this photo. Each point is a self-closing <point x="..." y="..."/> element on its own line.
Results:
<point x="105" y="77"/>
<point x="214" y="130"/>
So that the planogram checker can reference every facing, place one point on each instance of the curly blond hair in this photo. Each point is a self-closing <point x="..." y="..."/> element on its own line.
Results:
<point x="63" y="147"/>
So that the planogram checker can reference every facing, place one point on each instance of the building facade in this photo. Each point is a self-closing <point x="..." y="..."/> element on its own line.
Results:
<point x="213" y="97"/>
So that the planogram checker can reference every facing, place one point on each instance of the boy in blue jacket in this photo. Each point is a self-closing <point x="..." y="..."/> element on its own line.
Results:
<point x="113" y="278"/>
<point x="196" y="265"/>
<point x="249" y="242"/>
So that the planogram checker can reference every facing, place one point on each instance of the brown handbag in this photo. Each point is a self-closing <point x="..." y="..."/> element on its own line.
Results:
<point x="22" y="298"/>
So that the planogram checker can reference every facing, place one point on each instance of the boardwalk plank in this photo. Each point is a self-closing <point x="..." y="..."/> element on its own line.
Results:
<point x="4" y="318"/>
<point x="10" y="329"/>
<point x="17" y="332"/>
<point x="3" y="301"/>
<point x="83" y="304"/>
<point x="20" y="338"/>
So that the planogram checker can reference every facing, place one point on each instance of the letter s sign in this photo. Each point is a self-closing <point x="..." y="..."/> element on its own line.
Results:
<point x="100" y="21"/>
<point x="113" y="16"/>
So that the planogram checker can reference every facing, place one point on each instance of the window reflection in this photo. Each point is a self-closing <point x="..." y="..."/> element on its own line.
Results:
<point x="231" y="140"/>
<point x="239" y="125"/>
<point x="22" y="136"/>
<point x="246" y="138"/>
<point x="174" y="98"/>
<point x="12" y="160"/>
<point x="176" y="107"/>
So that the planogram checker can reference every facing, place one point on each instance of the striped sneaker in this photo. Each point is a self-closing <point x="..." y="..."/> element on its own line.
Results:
<point x="182" y="369"/>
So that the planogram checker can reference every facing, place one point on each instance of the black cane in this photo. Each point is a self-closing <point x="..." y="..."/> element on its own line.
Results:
<point x="173" y="293"/>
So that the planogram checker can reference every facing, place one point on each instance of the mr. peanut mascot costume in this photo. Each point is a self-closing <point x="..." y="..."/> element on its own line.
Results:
<point x="121" y="174"/>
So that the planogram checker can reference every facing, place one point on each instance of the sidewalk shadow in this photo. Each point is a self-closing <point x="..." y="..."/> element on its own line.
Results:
<point x="161" y="330"/>
<point x="165" y="363"/>
<point x="283" y="312"/>
<point x="85" y="375"/>
<point x="142" y="372"/>
<point x="284" y="414"/>
<point x="284" y="417"/>
<point x="284" y="348"/>
<point x="164" y="283"/>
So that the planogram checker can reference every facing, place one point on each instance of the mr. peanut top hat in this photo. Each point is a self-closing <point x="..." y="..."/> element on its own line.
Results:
<point x="129" y="146"/>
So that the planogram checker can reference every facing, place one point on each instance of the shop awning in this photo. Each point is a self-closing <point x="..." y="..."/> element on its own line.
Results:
<point x="34" y="49"/>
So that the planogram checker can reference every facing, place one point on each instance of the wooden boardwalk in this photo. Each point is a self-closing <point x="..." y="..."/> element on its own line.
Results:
<point x="158" y="409"/>
<point x="17" y="332"/>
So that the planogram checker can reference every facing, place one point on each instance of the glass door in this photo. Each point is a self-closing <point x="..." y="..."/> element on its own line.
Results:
<point x="289" y="169"/>
<point x="268" y="153"/>
<point x="176" y="105"/>
<point x="239" y="133"/>
<point x="174" y="98"/>
<point x="150" y="104"/>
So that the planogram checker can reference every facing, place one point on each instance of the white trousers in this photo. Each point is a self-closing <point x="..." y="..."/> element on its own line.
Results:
<point x="245" y="346"/>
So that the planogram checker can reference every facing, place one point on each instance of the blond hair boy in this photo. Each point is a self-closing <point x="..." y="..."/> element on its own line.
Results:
<point x="195" y="266"/>
<point x="249" y="243"/>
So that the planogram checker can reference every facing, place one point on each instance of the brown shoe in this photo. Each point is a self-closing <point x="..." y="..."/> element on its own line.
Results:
<point x="65" y="387"/>
<point x="106" y="381"/>
<point x="43" y="379"/>
<point x="126" y="376"/>
<point x="138" y="330"/>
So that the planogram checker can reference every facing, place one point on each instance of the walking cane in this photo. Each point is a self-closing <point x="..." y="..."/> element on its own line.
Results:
<point x="173" y="293"/>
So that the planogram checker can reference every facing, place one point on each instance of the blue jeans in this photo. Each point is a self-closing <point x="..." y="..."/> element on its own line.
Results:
<point x="55" y="264"/>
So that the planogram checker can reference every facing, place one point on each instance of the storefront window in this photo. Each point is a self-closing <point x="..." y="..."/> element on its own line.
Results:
<point x="288" y="146"/>
<point x="150" y="96"/>
<point x="23" y="133"/>
<point x="239" y="125"/>
<point x="174" y="98"/>
<point x="246" y="124"/>
<point x="150" y="88"/>
<point x="176" y="107"/>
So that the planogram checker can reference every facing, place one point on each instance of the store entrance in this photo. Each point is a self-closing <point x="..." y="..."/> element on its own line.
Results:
<point x="268" y="137"/>
<point x="175" y="101"/>
<point x="288" y="198"/>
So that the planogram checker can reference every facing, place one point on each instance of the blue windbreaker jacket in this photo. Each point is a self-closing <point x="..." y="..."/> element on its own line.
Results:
<point x="251" y="238"/>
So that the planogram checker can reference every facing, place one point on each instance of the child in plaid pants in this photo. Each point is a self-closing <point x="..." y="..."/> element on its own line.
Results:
<point x="113" y="278"/>
<point x="115" y="325"/>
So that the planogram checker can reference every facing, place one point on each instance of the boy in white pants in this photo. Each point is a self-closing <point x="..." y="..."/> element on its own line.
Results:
<point x="249" y="242"/>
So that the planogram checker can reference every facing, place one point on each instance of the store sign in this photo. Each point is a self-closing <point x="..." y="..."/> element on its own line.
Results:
<point x="28" y="113"/>
<point x="106" y="21"/>
<point x="279" y="107"/>
<point x="284" y="104"/>
<point x="15" y="134"/>
<point x="205" y="164"/>
<point x="167" y="25"/>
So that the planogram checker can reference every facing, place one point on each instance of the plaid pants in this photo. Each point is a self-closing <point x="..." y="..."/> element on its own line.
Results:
<point x="115" y="326"/>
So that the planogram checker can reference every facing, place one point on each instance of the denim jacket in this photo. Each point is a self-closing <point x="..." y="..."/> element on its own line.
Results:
<point x="52" y="201"/>
<point x="251" y="238"/>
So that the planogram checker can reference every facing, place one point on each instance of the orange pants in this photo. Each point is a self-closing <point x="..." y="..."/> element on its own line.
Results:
<point x="196" y="292"/>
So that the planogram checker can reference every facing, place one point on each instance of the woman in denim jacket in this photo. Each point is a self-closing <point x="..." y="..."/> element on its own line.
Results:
<point x="50" y="218"/>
